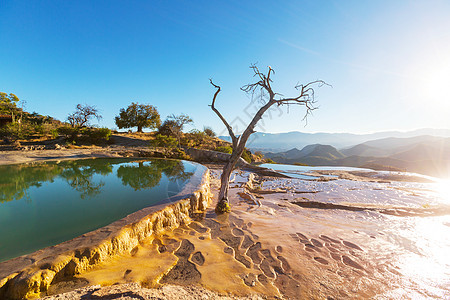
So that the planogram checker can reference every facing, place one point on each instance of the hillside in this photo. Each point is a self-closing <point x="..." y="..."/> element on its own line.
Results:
<point x="364" y="150"/>
<point x="425" y="151"/>
<point x="311" y="154"/>
<point x="423" y="154"/>
<point x="277" y="142"/>
<point x="395" y="144"/>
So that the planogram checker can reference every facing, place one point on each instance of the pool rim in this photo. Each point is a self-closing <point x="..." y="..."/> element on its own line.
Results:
<point x="113" y="239"/>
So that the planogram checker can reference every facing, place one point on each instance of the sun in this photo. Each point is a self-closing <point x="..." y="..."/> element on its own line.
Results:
<point x="436" y="86"/>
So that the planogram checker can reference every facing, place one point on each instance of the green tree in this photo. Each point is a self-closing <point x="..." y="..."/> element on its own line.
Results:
<point x="15" y="180"/>
<point x="8" y="101"/>
<point x="140" y="116"/>
<point x="143" y="176"/>
<point x="173" y="125"/>
<point x="168" y="128"/>
<point x="148" y="174"/>
<point x="79" y="174"/>
<point x="181" y="120"/>
<point x="8" y="104"/>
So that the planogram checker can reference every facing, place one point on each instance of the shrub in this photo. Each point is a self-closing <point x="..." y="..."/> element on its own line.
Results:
<point x="77" y="134"/>
<point x="194" y="138"/>
<point x="180" y="154"/>
<point x="247" y="156"/>
<point x="97" y="134"/>
<point x="173" y="126"/>
<point x="209" y="131"/>
<point x="259" y="154"/>
<point x="17" y="131"/>
<point x="69" y="132"/>
<point x="269" y="161"/>
<point x="5" y="131"/>
<point x="39" y="129"/>
<point x="168" y="128"/>
<point x="224" y="149"/>
<point x="54" y="133"/>
<point x="8" y="131"/>
<point x="164" y="141"/>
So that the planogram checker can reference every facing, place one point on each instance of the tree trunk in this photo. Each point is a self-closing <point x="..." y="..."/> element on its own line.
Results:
<point x="225" y="181"/>
<point x="179" y="139"/>
<point x="238" y="149"/>
<point x="306" y="98"/>
<point x="223" y="205"/>
<point x="139" y="128"/>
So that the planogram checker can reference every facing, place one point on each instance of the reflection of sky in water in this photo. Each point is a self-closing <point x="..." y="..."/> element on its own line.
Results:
<point x="308" y="168"/>
<point x="407" y="194"/>
<point x="299" y="176"/>
<point x="48" y="203"/>
<point x="393" y="193"/>
<point x="418" y="248"/>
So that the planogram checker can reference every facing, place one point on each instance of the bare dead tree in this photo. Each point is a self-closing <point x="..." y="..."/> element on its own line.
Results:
<point x="82" y="115"/>
<point x="261" y="88"/>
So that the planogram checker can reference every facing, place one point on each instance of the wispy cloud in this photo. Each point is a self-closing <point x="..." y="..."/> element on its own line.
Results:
<point x="345" y="63"/>
<point x="299" y="47"/>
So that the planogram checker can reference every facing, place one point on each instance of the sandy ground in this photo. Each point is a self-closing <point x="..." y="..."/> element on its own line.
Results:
<point x="122" y="142"/>
<point x="17" y="157"/>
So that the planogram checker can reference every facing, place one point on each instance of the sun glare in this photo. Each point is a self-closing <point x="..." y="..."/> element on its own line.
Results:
<point x="443" y="188"/>
<point x="436" y="87"/>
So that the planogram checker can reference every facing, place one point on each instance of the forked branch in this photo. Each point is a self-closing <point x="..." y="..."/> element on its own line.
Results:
<point x="305" y="97"/>
<point x="229" y="128"/>
<point x="268" y="97"/>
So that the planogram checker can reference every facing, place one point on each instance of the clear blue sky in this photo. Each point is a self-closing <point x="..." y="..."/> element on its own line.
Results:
<point x="388" y="61"/>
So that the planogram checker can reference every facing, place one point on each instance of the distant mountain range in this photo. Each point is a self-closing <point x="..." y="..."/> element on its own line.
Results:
<point x="424" y="154"/>
<point x="275" y="142"/>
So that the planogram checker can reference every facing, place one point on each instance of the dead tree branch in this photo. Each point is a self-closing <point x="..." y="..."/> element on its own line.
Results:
<point x="306" y="97"/>
<point x="229" y="128"/>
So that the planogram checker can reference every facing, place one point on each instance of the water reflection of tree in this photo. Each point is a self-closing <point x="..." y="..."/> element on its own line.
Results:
<point x="149" y="174"/>
<point x="15" y="180"/>
<point x="79" y="173"/>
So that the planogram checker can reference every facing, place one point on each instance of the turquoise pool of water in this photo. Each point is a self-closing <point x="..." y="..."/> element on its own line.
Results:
<point x="43" y="204"/>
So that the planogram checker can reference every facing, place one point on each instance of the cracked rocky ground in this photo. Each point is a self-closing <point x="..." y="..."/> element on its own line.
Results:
<point x="275" y="250"/>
